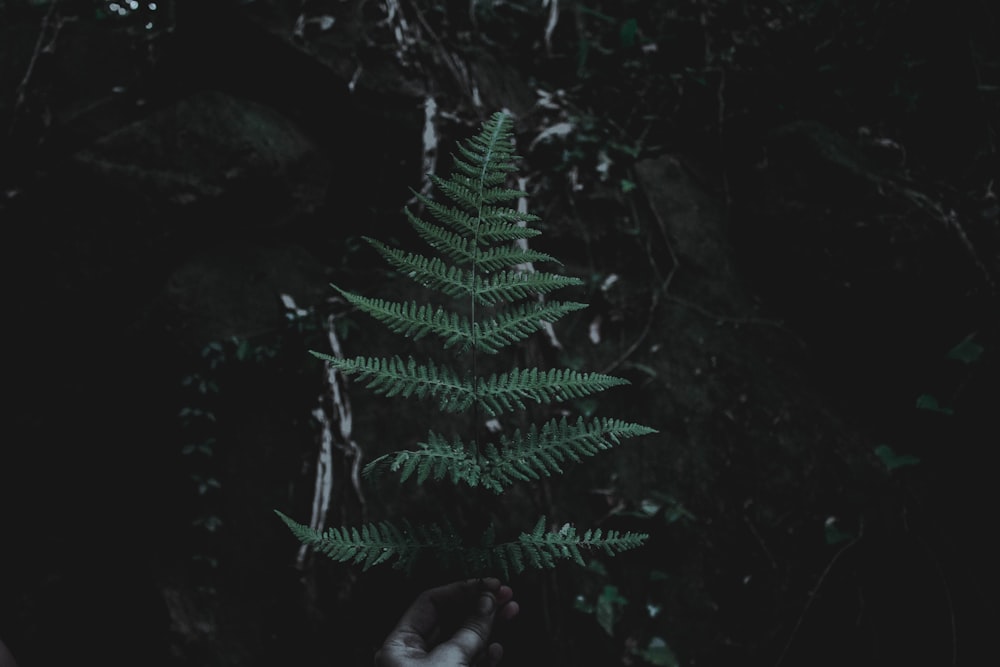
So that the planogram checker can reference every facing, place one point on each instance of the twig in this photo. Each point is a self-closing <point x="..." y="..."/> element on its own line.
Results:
<point x="760" y="541"/>
<point x="736" y="320"/>
<point x="949" y="220"/>
<point x="463" y="80"/>
<point x="44" y="44"/>
<point x="951" y="603"/>
<point x="814" y="591"/>
<point x="654" y="300"/>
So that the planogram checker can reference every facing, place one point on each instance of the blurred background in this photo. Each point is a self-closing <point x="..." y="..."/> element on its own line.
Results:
<point x="785" y="216"/>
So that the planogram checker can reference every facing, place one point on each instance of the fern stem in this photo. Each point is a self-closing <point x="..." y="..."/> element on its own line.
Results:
<point x="498" y="131"/>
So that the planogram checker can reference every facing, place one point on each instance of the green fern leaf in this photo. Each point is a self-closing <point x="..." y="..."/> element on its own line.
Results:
<point x="437" y="457"/>
<point x="508" y="391"/>
<point x="484" y="226"/>
<point x="461" y="250"/>
<point x="433" y="273"/>
<point x="542" y="549"/>
<point x="472" y="165"/>
<point x="430" y="272"/>
<point x="509" y="286"/>
<point x="520" y="322"/>
<point x="375" y="543"/>
<point x="494" y="195"/>
<point x="395" y="377"/>
<point x="497" y="231"/>
<point x="470" y="193"/>
<point x="462" y="222"/>
<point x="415" y="321"/>
<point x="541" y="453"/>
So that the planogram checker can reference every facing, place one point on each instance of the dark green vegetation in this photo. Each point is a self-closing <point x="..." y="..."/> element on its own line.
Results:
<point x="784" y="218"/>
<point x="483" y="263"/>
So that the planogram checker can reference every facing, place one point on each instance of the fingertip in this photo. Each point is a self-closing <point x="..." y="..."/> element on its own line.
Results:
<point x="495" y="654"/>
<point x="504" y="593"/>
<point x="509" y="610"/>
<point x="490" y="583"/>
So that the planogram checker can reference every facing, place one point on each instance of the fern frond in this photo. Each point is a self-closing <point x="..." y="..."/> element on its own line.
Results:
<point x="395" y="377"/>
<point x="462" y="251"/>
<point x="375" y="543"/>
<point x="508" y="391"/>
<point x="465" y="191"/>
<point x="436" y="458"/>
<point x="471" y="223"/>
<point x="521" y="321"/>
<point x="518" y="458"/>
<point x="541" y="549"/>
<point x="471" y="193"/>
<point x="541" y="453"/>
<point x="474" y="233"/>
<point x="508" y="256"/>
<point x="415" y="321"/>
<point x="491" y="149"/>
<point x="513" y="285"/>
<point x="496" y="231"/>
<point x="433" y="273"/>
<point x="430" y="272"/>
<point x="494" y="195"/>
<point x="462" y="222"/>
<point x="471" y="164"/>
<point x="491" y="215"/>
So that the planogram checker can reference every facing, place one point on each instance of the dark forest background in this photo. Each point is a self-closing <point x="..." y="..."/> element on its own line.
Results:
<point x="785" y="215"/>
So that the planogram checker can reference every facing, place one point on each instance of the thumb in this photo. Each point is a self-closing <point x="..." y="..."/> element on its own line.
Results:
<point x="473" y="636"/>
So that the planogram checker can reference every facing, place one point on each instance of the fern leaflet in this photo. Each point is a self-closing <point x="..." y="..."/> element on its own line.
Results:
<point x="375" y="543"/>
<point x="541" y="549"/>
<point x="508" y="391"/>
<point x="537" y="454"/>
<point x="395" y="377"/>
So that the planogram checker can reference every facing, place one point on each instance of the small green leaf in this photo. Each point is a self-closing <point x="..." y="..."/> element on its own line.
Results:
<point x="968" y="351"/>
<point x="928" y="402"/>
<point x="609" y="608"/>
<point x="628" y="32"/>
<point x="891" y="460"/>
<point x="659" y="653"/>
<point x="628" y="186"/>
<point x="631" y="151"/>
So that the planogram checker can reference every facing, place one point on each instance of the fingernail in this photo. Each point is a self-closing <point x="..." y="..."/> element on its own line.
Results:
<point x="486" y="604"/>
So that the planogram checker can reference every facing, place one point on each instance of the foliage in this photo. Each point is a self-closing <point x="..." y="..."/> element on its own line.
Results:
<point x="493" y="299"/>
<point x="609" y="605"/>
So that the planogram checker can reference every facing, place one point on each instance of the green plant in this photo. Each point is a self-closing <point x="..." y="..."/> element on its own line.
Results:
<point x="490" y="302"/>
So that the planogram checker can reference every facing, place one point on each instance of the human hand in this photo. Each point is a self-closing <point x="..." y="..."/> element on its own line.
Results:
<point x="450" y="626"/>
